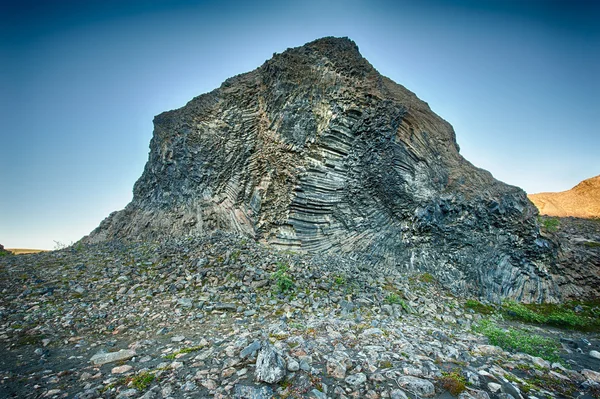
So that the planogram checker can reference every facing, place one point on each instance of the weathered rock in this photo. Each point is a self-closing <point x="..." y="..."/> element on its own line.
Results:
<point x="356" y="379"/>
<point x="417" y="385"/>
<point x="336" y="369"/>
<point x="121" y="369"/>
<point x="591" y="375"/>
<point x="249" y="392"/>
<point x="316" y="151"/>
<point x="250" y="349"/>
<point x="103" y="358"/>
<point x="270" y="365"/>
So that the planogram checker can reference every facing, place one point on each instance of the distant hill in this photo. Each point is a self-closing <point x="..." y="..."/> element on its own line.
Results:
<point x="581" y="201"/>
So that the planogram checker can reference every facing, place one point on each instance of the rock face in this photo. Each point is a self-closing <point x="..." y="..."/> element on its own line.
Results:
<point x="316" y="151"/>
<point x="582" y="201"/>
<point x="577" y="245"/>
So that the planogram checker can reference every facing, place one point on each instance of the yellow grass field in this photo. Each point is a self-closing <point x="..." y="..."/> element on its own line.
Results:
<point x="21" y="251"/>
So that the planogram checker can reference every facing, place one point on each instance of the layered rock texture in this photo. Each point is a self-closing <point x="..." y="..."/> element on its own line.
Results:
<point x="315" y="151"/>
<point x="582" y="201"/>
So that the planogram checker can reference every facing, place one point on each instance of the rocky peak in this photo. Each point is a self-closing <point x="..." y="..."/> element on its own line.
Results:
<point x="315" y="151"/>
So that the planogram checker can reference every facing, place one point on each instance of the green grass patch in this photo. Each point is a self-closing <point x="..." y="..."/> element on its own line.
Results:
<point x="172" y="356"/>
<point x="479" y="307"/>
<point x="549" y="224"/>
<point x="592" y="244"/>
<point x="558" y="315"/>
<point x="339" y="279"/>
<point x="518" y="340"/>
<point x="143" y="381"/>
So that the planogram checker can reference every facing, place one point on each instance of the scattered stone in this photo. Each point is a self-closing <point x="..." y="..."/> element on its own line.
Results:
<point x="109" y="357"/>
<point x="270" y="365"/>
<point x="293" y="365"/>
<point x="591" y="375"/>
<point x="250" y="349"/>
<point x="250" y="392"/>
<point x="417" y="385"/>
<point x="595" y="354"/>
<point x="336" y="369"/>
<point x="356" y="379"/>
<point x="398" y="394"/>
<point x="121" y="369"/>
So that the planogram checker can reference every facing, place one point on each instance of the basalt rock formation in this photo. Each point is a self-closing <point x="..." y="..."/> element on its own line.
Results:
<point x="316" y="151"/>
<point x="582" y="201"/>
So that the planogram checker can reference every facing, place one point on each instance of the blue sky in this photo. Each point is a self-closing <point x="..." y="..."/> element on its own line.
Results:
<point x="80" y="82"/>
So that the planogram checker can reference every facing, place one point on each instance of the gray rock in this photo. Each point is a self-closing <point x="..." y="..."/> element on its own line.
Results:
<point x="128" y="393"/>
<point x="356" y="379"/>
<point x="510" y="389"/>
<point x="293" y="365"/>
<point x="226" y="306"/>
<point x="250" y="349"/>
<point x="189" y="386"/>
<point x="336" y="368"/>
<point x="417" y="385"/>
<point x="270" y="365"/>
<point x="398" y="394"/>
<point x="595" y="354"/>
<point x="250" y="392"/>
<point x="185" y="302"/>
<point x="109" y="357"/>
<point x="316" y="394"/>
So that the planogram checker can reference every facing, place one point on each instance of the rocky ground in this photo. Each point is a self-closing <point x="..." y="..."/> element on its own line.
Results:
<point x="221" y="317"/>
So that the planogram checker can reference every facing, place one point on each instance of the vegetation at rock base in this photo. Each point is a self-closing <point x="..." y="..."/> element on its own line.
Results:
<point x="173" y="355"/>
<point x="142" y="380"/>
<point x="519" y="340"/>
<point x="281" y="277"/>
<point x="453" y="382"/>
<point x="479" y="307"/>
<point x="549" y="224"/>
<point x="583" y="316"/>
<point x="558" y="315"/>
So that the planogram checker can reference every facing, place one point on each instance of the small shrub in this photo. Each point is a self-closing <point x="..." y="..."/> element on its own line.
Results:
<point x="453" y="382"/>
<point x="339" y="280"/>
<point x="282" y="279"/>
<point x="142" y="381"/>
<point x="394" y="299"/>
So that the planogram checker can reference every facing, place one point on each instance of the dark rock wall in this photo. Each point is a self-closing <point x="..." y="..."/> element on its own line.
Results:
<point x="316" y="151"/>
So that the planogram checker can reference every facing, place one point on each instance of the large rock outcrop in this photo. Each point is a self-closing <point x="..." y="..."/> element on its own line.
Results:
<point x="316" y="151"/>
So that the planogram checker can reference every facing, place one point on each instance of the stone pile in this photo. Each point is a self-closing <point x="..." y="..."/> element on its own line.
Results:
<point x="207" y="318"/>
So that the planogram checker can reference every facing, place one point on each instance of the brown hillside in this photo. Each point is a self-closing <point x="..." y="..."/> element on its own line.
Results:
<point x="581" y="201"/>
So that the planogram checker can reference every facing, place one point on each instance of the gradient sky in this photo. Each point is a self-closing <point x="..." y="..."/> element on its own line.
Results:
<point x="80" y="82"/>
